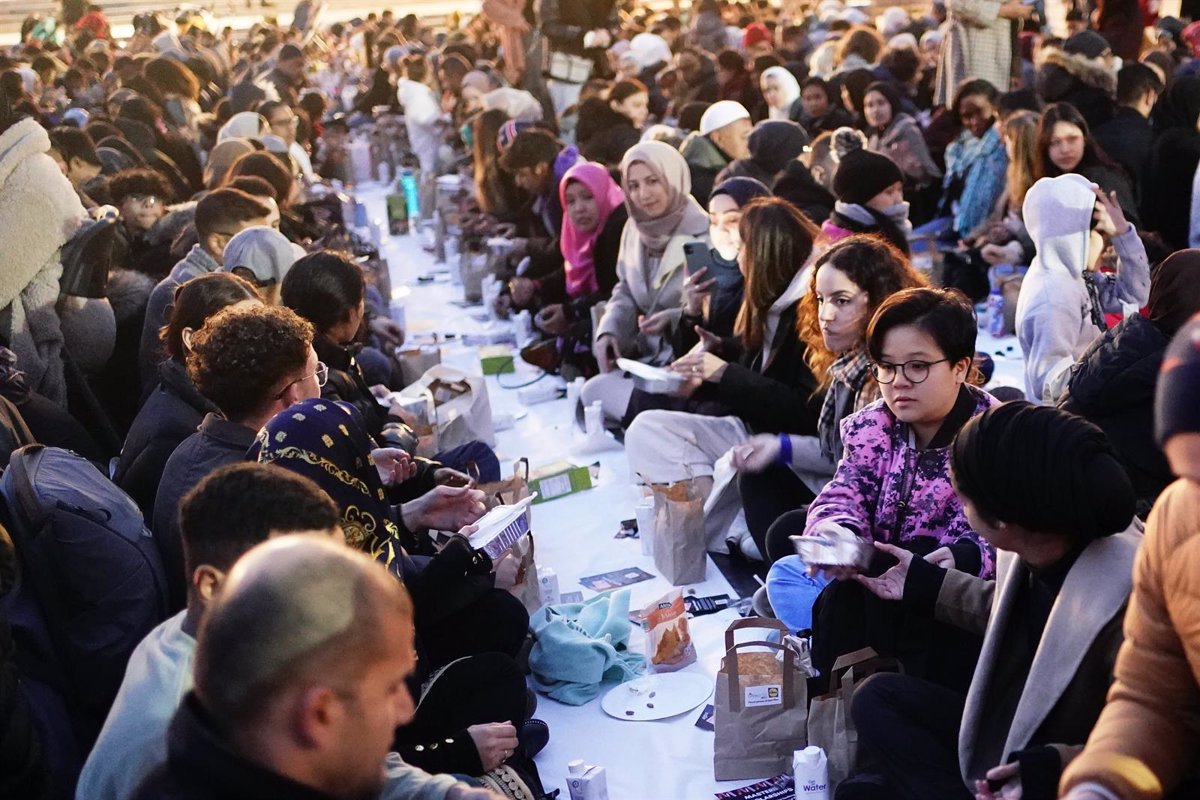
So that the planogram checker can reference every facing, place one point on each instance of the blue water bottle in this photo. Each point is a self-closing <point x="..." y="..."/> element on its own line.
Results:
<point x="995" y="307"/>
<point x="408" y="183"/>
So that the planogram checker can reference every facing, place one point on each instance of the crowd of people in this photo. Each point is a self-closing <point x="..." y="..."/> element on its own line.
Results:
<point x="803" y="214"/>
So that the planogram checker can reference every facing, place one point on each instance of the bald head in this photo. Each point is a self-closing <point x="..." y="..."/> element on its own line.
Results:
<point x="295" y="611"/>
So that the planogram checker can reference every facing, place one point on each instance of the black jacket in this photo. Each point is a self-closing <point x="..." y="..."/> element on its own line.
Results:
<point x="1112" y="385"/>
<point x="553" y="287"/>
<point x="201" y="765"/>
<point x="171" y="413"/>
<point x="603" y="135"/>
<point x="797" y="185"/>
<point x="1128" y="139"/>
<point x="218" y="442"/>
<point x="779" y="399"/>
<point x="834" y="118"/>
<point x="1173" y="162"/>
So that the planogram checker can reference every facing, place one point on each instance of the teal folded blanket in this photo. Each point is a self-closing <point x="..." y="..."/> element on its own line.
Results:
<point x="581" y="645"/>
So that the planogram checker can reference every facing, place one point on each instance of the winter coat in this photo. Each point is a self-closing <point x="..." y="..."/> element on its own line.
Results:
<point x="603" y="135"/>
<point x="978" y="44"/>
<point x="1144" y="742"/>
<point x="797" y="185"/>
<point x="1128" y="138"/>
<point x="903" y="143"/>
<point x="645" y="289"/>
<point x="171" y="413"/>
<point x="215" y="443"/>
<point x="158" y="309"/>
<point x="886" y="490"/>
<point x="1173" y="163"/>
<point x="836" y="117"/>
<point x="564" y="23"/>
<point x="978" y="167"/>
<point x="422" y="118"/>
<point x="1071" y="665"/>
<point x="708" y="32"/>
<point x="1088" y="85"/>
<point x="39" y="212"/>
<point x="1055" y="314"/>
<point x="705" y="161"/>
<point x="1112" y="385"/>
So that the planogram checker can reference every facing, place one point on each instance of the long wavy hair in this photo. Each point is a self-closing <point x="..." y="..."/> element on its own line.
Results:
<point x="875" y="266"/>
<point x="1022" y="130"/>
<point x="777" y="240"/>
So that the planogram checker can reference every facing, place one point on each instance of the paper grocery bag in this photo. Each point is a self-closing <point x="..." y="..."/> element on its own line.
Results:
<point x="464" y="413"/>
<point x="759" y="706"/>
<point x="679" y="551"/>
<point x="830" y="725"/>
<point x="416" y="360"/>
<point x="508" y="491"/>
<point x="527" y="589"/>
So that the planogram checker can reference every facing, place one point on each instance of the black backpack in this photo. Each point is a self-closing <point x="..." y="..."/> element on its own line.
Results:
<point x="89" y="586"/>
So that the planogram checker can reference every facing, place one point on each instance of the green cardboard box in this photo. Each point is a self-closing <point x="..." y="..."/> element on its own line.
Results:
<point x="559" y="480"/>
<point x="496" y="360"/>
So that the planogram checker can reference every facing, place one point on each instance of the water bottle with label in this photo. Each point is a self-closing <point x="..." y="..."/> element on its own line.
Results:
<point x="995" y="307"/>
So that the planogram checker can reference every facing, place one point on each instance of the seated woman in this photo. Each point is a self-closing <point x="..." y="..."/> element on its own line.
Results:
<point x="780" y="474"/>
<point x="593" y="219"/>
<point x="495" y="191"/>
<point x="897" y="135"/>
<point x="1143" y="746"/>
<point x="1045" y="489"/>
<point x="329" y="290"/>
<point x="781" y="91"/>
<point x="893" y="482"/>
<point x="174" y="409"/>
<point x="1065" y="295"/>
<point x="870" y="199"/>
<point x="646" y="302"/>
<point x="1065" y="146"/>
<point x="975" y="161"/>
<point x="1112" y="385"/>
<point x="821" y="108"/>
<point x="755" y="381"/>
<point x="453" y="592"/>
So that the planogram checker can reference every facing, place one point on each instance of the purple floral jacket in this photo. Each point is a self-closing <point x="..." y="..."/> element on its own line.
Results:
<point x="888" y="491"/>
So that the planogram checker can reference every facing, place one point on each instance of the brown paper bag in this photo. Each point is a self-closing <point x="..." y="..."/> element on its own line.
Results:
<point x="527" y="589"/>
<point x="759" y="707"/>
<point x="830" y="725"/>
<point x="506" y="493"/>
<point x="679" y="538"/>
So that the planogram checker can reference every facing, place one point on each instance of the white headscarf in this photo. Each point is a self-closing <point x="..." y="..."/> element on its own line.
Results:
<point x="244" y="125"/>
<point x="650" y="49"/>
<point x="789" y="87"/>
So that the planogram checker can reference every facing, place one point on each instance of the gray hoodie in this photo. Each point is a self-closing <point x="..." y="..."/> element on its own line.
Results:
<point x="1054" y="309"/>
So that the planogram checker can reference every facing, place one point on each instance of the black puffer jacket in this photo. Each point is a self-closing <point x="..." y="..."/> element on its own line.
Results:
<point x="1112" y="385"/>
<point x="1085" y="84"/>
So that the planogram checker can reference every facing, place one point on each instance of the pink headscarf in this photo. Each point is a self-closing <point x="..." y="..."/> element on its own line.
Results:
<point x="578" y="246"/>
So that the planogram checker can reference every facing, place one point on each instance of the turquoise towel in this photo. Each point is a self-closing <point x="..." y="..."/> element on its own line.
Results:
<point x="580" y="645"/>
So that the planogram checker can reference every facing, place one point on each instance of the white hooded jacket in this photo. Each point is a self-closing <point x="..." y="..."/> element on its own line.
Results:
<point x="1054" y="309"/>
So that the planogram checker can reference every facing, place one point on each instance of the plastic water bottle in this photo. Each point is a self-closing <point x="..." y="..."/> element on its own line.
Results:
<point x="995" y="307"/>
<point x="408" y="185"/>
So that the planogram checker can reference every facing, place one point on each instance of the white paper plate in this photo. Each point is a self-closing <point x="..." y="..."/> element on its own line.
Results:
<point x="657" y="696"/>
<point x="648" y="373"/>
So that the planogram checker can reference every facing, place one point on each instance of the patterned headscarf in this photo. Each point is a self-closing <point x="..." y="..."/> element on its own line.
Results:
<point x="326" y="441"/>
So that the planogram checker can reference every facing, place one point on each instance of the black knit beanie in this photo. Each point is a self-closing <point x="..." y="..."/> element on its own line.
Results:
<point x="1043" y="469"/>
<point x="1177" y="398"/>
<point x="862" y="174"/>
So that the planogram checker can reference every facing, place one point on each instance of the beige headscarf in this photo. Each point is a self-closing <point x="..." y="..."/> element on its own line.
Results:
<point x="221" y="159"/>
<point x="683" y="213"/>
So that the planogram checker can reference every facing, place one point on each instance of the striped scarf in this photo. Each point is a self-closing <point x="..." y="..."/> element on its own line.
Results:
<point x="850" y="369"/>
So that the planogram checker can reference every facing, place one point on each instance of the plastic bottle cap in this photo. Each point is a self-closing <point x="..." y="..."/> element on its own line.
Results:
<point x="576" y="767"/>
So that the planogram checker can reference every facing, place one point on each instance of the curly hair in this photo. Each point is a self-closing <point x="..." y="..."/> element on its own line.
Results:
<point x="243" y="356"/>
<point x="129" y="182"/>
<point x="873" y="265"/>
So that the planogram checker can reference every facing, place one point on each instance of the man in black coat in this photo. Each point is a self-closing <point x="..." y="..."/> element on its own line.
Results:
<point x="1128" y="137"/>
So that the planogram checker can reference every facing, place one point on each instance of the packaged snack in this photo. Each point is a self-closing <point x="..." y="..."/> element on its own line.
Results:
<point x="668" y="642"/>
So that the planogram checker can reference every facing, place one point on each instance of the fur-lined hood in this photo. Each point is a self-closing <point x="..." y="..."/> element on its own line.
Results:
<point x="1060" y="70"/>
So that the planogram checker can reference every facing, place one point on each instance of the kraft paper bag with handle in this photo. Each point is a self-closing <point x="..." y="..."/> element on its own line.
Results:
<point x="830" y="725"/>
<point x="759" y="706"/>
<point x="464" y="413"/>
<point x="679" y="552"/>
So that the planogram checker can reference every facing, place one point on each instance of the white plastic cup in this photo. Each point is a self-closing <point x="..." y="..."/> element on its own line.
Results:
<point x="593" y="420"/>
<point x="644" y="511"/>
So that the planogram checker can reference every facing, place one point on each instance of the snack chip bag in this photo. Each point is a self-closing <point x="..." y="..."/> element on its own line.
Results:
<point x="668" y="643"/>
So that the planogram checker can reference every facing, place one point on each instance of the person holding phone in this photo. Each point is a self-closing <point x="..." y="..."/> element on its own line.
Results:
<point x="893" y="482"/>
<point x="646" y="302"/>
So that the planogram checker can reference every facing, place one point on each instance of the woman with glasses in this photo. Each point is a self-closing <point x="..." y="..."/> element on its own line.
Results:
<point x="284" y="123"/>
<point x="329" y="291"/>
<point x="893" y="482"/>
<point x="781" y="473"/>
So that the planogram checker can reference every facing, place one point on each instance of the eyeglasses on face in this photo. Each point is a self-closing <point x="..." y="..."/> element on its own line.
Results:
<point x="148" y="200"/>
<point x="914" y="371"/>
<point x="322" y="375"/>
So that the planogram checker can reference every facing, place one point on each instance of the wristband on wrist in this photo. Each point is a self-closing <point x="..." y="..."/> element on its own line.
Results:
<point x="785" y="449"/>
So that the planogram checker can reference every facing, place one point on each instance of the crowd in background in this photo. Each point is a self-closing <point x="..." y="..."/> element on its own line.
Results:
<point x="803" y="214"/>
